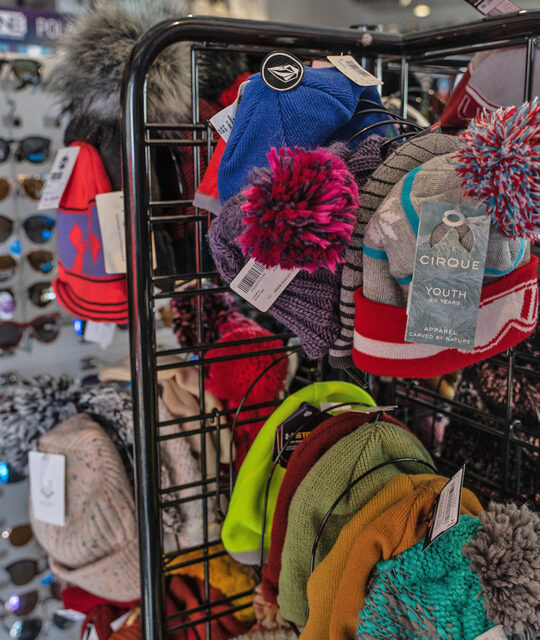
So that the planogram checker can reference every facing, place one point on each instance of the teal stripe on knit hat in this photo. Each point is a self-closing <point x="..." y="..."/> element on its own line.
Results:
<point x="406" y="203"/>
<point x="376" y="254"/>
<point x="427" y="595"/>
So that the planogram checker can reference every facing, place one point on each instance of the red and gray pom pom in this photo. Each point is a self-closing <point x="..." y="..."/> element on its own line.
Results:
<point x="300" y="211"/>
<point x="499" y="163"/>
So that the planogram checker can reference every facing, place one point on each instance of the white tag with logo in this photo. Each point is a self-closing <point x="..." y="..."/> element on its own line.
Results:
<point x="91" y="633"/>
<point x="355" y="72"/>
<point x="495" y="633"/>
<point x="48" y="487"/>
<point x="71" y="614"/>
<point x="223" y="121"/>
<point x="448" y="507"/>
<point x="110" y="209"/>
<point x="101" y="333"/>
<point x="496" y="7"/>
<point x="260" y="286"/>
<point x="56" y="184"/>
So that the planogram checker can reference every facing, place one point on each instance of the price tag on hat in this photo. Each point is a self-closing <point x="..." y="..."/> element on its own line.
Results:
<point x="63" y="165"/>
<point x="495" y="633"/>
<point x="447" y="509"/>
<point x="260" y="286"/>
<point x="101" y="333"/>
<point x="110" y="210"/>
<point x="354" y="71"/>
<point x="494" y="7"/>
<point x="48" y="487"/>
<point x="223" y="121"/>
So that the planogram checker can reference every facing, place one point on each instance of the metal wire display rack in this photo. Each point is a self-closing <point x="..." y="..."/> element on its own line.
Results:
<point x="143" y="215"/>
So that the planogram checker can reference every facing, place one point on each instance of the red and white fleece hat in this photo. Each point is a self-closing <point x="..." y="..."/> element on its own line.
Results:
<point x="498" y="166"/>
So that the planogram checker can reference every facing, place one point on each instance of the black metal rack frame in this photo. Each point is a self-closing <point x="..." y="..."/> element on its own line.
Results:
<point x="142" y="215"/>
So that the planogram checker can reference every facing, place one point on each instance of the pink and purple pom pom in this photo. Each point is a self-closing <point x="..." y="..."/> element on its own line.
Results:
<point x="499" y="163"/>
<point x="300" y="211"/>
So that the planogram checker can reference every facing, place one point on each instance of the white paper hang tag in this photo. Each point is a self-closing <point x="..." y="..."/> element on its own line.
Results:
<point x="447" y="510"/>
<point x="101" y="333"/>
<point x="110" y="210"/>
<point x="223" y="121"/>
<point x="63" y="165"/>
<point x="71" y="614"/>
<point x="260" y="286"/>
<point x="354" y="71"/>
<point x="91" y="633"/>
<point x="48" y="487"/>
<point x="116" y="624"/>
<point x="495" y="633"/>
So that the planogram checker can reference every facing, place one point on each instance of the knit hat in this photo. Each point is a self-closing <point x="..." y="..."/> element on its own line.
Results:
<point x="482" y="573"/>
<point x="398" y="528"/>
<point x="101" y="617"/>
<point x="324" y="581"/>
<point x="97" y="548"/>
<point x="230" y="380"/>
<point x="274" y="634"/>
<point x="307" y="116"/>
<point x="408" y="156"/>
<point x="207" y="195"/>
<point x="224" y="573"/>
<point x="508" y="307"/>
<point x="242" y="528"/>
<point x="82" y="286"/>
<point x="349" y="458"/>
<point x="302" y="460"/>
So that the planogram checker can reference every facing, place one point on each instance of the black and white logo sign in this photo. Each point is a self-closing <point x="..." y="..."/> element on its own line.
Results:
<point x="282" y="71"/>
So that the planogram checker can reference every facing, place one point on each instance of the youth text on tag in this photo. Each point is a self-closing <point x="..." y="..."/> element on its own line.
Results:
<point x="446" y="513"/>
<point x="48" y="487"/>
<point x="110" y="209"/>
<point x="444" y="295"/>
<point x="260" y="286"/>
<point x="355" y="72"/>
<point x="63" y="165"/>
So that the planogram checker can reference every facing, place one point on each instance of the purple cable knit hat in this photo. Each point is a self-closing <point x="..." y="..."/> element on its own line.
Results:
<point x="298" y="213"/>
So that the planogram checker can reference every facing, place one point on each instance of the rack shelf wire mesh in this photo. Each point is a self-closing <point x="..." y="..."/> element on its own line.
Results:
<point x="144" y="213"/>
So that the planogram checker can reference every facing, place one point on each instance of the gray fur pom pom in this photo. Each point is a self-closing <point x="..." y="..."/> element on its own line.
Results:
<point x="506" y="556"/>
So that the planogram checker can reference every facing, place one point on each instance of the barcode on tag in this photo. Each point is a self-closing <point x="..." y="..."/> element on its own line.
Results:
<point x="447" y="509"/>
<point x="261" y="286"/>
<point x="355" y="72"/>
<point x="63" y="165"/>
<point x="494" y="7"/>
<point x="56" y="175"/>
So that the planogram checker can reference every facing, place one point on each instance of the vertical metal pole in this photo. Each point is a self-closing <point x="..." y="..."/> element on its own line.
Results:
<point x="142" y="345"/>
<point x="404" y="86"/>
<point x="508" y="423"/>
<point x="529" y="68"/>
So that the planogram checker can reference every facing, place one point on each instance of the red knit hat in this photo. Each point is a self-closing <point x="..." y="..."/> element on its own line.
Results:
<point x="229" y="380"/>
<point x="302" y="460"/>
<point x="82" y="286"/>
<point x="207" y="196"/>
<point x="101" y="617"/>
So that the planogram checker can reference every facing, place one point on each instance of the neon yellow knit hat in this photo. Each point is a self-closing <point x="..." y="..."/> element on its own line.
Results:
<point x="242" y="529"/>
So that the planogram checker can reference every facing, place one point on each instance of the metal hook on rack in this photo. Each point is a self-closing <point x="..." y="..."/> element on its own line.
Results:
<point x="346" y="492"/>
<point x="374" y="125"/>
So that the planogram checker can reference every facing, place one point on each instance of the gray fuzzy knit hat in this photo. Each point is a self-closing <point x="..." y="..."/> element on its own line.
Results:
<point x="482" y="573"/>
<point x="406" y="157"/>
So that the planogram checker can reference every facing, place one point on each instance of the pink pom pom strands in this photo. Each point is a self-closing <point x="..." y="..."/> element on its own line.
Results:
<point x="500" y="165"/>
<point x="300" y="211"/>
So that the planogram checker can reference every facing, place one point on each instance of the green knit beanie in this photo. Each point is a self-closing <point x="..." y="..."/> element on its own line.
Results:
<point x="242" y="528"/>
<point x="482" y="573"/>
<point x="349" y="458"/>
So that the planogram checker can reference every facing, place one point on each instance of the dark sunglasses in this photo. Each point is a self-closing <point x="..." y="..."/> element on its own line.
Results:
<point x="24" y="603"/>
<point x="31" y="628"/>
<point x="44" y="329"/>
<point x="24" y="571"/>
<point x="18" y="536"/>
<point x="41" y="294"/>
<point x="41" y="261"/>
<point x="27" y="72"/>
<point x="33" y="149"/>
<point x="38" y="228"/>
<point x="29" y="186"/>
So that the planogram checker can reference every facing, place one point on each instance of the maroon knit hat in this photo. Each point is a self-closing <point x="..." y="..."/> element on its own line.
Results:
<point x="302" y="460"/>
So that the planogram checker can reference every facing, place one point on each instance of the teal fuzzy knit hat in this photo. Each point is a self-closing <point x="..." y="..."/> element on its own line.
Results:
<point x="482" y="573"/>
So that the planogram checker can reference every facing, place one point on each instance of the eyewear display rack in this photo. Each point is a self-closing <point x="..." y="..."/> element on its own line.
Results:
<point x="373" y="49"/>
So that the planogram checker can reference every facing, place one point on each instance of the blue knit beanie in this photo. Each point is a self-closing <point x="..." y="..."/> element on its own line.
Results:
<point x="315" y="113"/>
<point x="482" y="573"/>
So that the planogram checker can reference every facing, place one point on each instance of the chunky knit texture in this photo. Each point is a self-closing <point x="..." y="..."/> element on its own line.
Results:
<point x="395" y="530"/>
<point x="242" y="528"/>
<point x="324" y="582"/>
<point x="349" y="458"/>
<point x="430" y="595"/>
<point x="409" y="155"/>
<point x="302" y="460"/>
